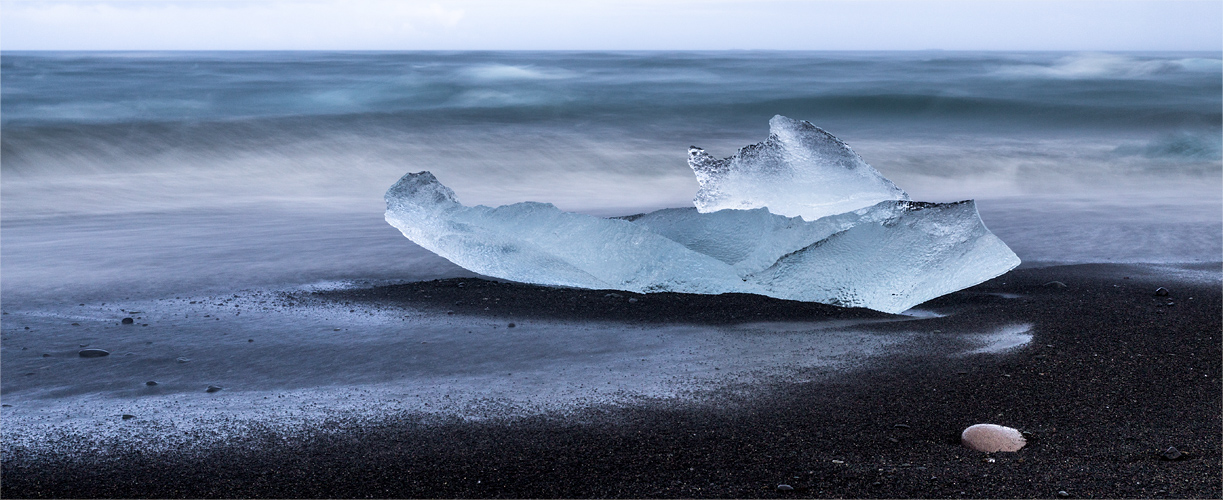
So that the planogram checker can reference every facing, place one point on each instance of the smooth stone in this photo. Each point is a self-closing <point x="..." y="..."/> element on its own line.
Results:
<point x="1161" y="292"/>
<point x="128" y="321"/>
<point x="150" y="383"/>
<point x="1063" y="494"/>
<point x="785" y="487"/>
<point x="990" y="438"/>
<point x="212" y="388"/>
<point x="93" y="353"/>
<point x="182" y="360"/>
<point x="1172" y="453"/>
<point x="128" y="417"/>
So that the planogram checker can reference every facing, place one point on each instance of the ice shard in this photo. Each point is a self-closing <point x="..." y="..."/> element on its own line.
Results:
<point x="800" y="170"/>
<point x="888" y="255"/>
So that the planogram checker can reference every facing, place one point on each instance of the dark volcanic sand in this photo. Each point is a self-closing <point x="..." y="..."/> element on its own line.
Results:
<point x="1113" y="377"/>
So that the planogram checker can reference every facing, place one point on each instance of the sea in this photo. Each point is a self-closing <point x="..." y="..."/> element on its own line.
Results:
<point x="189" y="191"/>
<point x="154" y="173"/>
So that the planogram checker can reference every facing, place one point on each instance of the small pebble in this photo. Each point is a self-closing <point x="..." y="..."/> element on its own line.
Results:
<point x="511" y="325"/>
<point x="990" y="438"/>
<point x="93" y="353"/>
<point x="1055" y="284"/>
<point x="182" y="360"/>
<point x="1172" y="454"/>
<point x="128" y="321"/>
<point x="1161" y="292"/>
<point x="785" y="487"/>
<point x="1063" y="494"/>
<point x="128" y="417"/>
<point x="250" y="340"/>
<point x="213" y="388"/>
<point x="632" y="300"/>
<point x="901" y="426"/>
<point x="150" y="383"/>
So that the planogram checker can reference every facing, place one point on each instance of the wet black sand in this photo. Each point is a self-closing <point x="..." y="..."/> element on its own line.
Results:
<point x="1113" y="377"/>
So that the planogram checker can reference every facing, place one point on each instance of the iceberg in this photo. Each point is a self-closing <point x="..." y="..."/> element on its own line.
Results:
<point x="799" y="216"/>
<point x="799" y="170"/>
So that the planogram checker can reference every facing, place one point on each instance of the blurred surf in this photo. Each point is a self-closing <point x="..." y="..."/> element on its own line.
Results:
<point x="151" y="172"/>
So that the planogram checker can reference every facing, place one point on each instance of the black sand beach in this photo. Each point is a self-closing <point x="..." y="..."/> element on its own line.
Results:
<point x="1114" y="376"/>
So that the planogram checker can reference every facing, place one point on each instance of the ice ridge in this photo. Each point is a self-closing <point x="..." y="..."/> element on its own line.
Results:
<point x="800" y="170"/>
<point x="889" y="254"/>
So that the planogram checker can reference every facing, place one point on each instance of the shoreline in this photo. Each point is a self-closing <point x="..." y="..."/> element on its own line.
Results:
<point x="1112" y="376"/>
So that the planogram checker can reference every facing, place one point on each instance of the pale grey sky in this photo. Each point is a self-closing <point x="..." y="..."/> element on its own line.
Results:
<point x="612" y="25"/>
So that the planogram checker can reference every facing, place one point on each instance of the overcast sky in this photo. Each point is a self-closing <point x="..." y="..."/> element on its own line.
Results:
<point x="613" y="25"/>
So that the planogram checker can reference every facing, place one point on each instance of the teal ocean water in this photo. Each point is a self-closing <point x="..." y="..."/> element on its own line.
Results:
<point x="153" y="173"/>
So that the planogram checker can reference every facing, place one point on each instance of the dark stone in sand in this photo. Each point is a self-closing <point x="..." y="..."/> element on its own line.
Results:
<point x="128" y="417"/>
<point x="1172" y="454"/>
<point x="76" y="324"/>
<point x="150" y="383"/>
<point x="511" y="325"/>
<point x="785" y="487"/>
<point x="46" y="355"/>
<point x="250" y="340"/>
<point x="93" y="353"/>
<point x="182" y="360"/>
<point x="128" y="321"/>
<point x="1063" y="494"/>
<point x="212" y="388"/>
<point x="1161" y="292"/>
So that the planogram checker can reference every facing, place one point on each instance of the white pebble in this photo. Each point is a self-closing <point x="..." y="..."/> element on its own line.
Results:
<point x="991" y="438"/>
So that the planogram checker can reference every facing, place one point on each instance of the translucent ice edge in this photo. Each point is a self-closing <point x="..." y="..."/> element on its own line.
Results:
<point x="887" y="255"/>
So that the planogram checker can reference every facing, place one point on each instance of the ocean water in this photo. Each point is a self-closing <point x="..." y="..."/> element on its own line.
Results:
<point x="150" y="174"/>
<point x="186" y="189"/>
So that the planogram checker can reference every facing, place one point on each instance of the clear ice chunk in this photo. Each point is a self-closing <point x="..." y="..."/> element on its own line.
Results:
<point x="889" y="255"/>
<point x="800" y="170"/>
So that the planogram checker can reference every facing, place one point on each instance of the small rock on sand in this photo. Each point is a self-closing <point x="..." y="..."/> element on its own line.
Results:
<point x="128" y="417"/>
<point x="213" y="388"/>
<point x="1063" y="494"/>
<point x="93" y="353"/>
<point x="1161" y="292"/>
<point x="128" y="321"/>
<point x="1171" y="454"/>
<point x="990" y="438"/>
<point x="150" y="383"/>
<point x="785" y="487"/>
